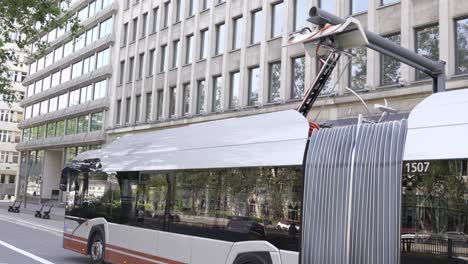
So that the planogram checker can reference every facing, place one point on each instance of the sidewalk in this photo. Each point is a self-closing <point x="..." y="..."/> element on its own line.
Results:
<point x="26" y="217"/>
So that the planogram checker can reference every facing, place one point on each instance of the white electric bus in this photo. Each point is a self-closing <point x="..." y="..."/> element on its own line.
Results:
<point x="231" y="191"/>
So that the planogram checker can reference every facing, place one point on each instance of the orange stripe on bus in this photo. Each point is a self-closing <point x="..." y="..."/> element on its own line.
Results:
<point x="112" y="256"/>
<point x="120" y="258"/>
<point x="75" y="237"/>
<point x="144" y="255"/>
<point x="74" y="245"/>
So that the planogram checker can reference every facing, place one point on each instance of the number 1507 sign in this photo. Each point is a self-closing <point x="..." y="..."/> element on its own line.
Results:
<point x="412" y="167"/>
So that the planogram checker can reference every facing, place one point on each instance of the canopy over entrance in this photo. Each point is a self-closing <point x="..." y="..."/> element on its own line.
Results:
<point x="273" y="139"/>
<point x="438" y="127"/>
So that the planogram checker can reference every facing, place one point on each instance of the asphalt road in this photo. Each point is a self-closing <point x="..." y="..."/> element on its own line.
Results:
<point x="20" y="244"/>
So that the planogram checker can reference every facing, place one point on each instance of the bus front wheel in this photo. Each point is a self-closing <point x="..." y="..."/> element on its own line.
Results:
<point x="96" y="251"/>
<point x="254" y="258"/>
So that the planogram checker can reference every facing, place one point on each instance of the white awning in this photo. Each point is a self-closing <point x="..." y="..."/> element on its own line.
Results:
<point x="438" y="127"/>
<point x="273" y="139"/>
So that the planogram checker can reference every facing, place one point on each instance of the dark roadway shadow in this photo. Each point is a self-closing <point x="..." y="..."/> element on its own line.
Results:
<point x="414" y="258"/>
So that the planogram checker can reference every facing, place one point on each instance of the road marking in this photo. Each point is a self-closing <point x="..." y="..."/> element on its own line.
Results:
<point x="25" y="253"/>
<point x="31" y="225"/>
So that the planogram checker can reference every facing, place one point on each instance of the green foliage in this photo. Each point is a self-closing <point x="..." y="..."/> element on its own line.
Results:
<point x="29" y="18"/>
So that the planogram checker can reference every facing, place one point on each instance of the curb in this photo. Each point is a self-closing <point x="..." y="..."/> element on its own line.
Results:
<point x="31" y="224"/>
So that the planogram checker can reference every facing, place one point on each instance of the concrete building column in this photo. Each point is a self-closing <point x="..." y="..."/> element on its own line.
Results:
<point x="407" y="37"/>
<point x="52" y="171"/>
<point x="373" y="69"/>
<point x="446" y="36"/>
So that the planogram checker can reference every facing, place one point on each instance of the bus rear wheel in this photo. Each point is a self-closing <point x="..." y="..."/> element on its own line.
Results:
<point x="96" y="250"/>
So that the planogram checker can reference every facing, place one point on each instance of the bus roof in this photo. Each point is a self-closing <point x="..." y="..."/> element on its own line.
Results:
<point x="438" y="127"/>
<point x="272" y="139"/>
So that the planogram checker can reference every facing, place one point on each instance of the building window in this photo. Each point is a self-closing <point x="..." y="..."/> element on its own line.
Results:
<point x="105" y="28"/>
<point x="154" y="24"/>
<point x="83" y="124"/>
<point x="461" y="51"/>
<point x="186" y="99"/>
<point x="148" y="106"/>
<point x="141" y="59"/>
<point x="65" y="75"/>
<point x="257" y="26"/>
<point x="205" y="4"/>
<point x="44" y="107"/>
<point x="297" y="77"/>
<point x="358" y="69"/>
<point x="122" y="70"/>
<point x="203" y="43"/>
<point x="358" y="6"/>
<point x="387" y="2"/>
<point x="160" y="100"/>
<point x="118" y="109"/>
<point x="151" y="62"/>
<point x="53" y="103"/>
<point x="124" y="34"/>
<point x="60" y="129"/>
<point x="86" y="94"/>
<point x="175" y="53"/>
<point x="178" y="9"/>
<point x="188" y="49"/>
<point x="79" y="44"/>
<point x="58" y="53"/>
<point x="192" y="4"/>
<point x="128" y="103"/>
<point x="219" y="39"/>
<point x="277" y="19"/>
<point x="77" y="69"/>
<point x="217" y="84"/>
<point x="274" y="82"/>
<point x="237" y="33"/>
<point x="71" y="126"/>
<point x="89" y="64"/>
<point x="201" y="96"/>
<point x="143" y="25"/>
<point x="134" y="30"/>
<point x="137" y="108"/>
<point x="74" y="97"/>
<point x="131" y="63"/>
<point x="100" y="89"/>
<point x="427" y="44"/>
<point x="51" y="130"/>
<point x="172" y="101"/>
<point x="301" y="13"/>
<point x="166" y="14"/>
<point x="162" y="65"/>
<point x="67" y="48"/>
<point x="389" y="67"/>
<point x="254" y="85"/>
<point x="102" y="58"/>
<point x="234" y="92"/>
<point x="96" y="121"/>
<point x="62" y="101"/>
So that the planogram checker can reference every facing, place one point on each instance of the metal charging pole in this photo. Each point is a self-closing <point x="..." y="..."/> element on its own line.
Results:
<point x="435" y="69"/>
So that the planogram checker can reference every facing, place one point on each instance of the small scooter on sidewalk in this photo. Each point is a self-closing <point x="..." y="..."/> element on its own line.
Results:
<point x="15" y="207"/>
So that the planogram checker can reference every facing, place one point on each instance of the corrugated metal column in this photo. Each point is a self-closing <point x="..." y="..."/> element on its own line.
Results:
<point x="352" y="195"/>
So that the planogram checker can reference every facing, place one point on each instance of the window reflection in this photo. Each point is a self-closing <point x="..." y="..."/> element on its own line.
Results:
<point x="434" y="219"/>
<point x="237" y="204"/>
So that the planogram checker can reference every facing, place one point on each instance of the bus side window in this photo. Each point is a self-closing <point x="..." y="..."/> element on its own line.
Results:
<point x="151" y="209"/>
<point x="128" y="183"/>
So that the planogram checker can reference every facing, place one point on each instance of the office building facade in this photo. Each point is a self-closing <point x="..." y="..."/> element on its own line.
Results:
<point x="10" y="115"/>
<point x="178" y="62"/>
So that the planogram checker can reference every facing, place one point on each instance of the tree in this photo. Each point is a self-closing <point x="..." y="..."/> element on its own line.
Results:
<point x="21" y="21"/>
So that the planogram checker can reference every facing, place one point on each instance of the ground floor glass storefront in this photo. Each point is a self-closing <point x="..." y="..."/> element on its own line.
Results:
<point x="434" y="215"/>
<point x="39" y="176"/>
